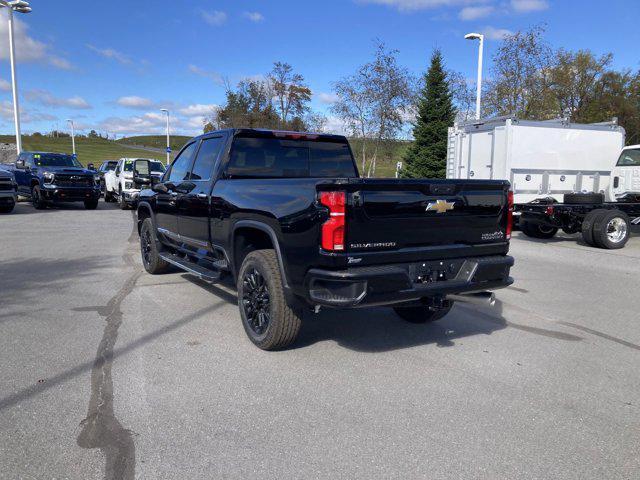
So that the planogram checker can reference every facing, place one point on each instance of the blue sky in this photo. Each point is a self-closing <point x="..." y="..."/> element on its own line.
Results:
<point x="111" y="66"/>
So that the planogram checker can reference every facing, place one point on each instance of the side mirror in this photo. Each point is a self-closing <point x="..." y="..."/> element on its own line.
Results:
<point x="185" y="187"/>
<point x="91" y="166"/>
<point x="20" y="164"/>
<point x="161" y="187"/>
<point x="142" y="172"/>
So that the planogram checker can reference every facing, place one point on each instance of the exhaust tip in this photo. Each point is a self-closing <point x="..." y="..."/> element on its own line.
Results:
<point x="476" y="298"/>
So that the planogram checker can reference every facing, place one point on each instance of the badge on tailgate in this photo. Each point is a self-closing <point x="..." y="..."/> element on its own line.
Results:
<point x="440" y="206"/>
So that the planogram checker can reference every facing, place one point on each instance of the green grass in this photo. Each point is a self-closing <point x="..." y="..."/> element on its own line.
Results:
<point x="89" y="150"/>
<point x="389" y="153"/>
<point x="155" y="141"/>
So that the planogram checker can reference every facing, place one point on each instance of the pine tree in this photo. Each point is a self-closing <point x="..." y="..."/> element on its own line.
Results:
<point x="427" y="156"/>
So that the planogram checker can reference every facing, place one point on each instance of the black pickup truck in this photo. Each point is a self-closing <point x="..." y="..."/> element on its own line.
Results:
<point x="287" y="216"/>
<point x="47" y="178"/>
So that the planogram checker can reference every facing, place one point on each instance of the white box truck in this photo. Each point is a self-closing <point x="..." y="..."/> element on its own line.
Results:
<point x="541" y="159"/>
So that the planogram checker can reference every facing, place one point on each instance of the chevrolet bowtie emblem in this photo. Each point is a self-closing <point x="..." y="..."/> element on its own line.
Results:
<point x="441" y="206"/>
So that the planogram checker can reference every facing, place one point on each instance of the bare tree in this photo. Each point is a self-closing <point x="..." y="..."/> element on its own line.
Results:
<point x="519" y="84"/>
<point x="463" y="94"/>
<point x="575" y="80"/>
<point x="290" y="92"/>
<point x="372" y="103"/>
<point x="355" y="109"/>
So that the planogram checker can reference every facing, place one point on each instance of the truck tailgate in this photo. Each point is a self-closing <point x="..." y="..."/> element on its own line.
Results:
<point x="390" y="214"/>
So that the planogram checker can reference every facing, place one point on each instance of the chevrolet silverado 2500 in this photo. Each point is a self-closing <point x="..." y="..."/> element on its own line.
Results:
<point x="288" y="217"/>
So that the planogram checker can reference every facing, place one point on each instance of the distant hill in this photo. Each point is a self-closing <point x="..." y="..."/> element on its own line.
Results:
<point x="89" y="150"/>
<point x="155" y="141"/>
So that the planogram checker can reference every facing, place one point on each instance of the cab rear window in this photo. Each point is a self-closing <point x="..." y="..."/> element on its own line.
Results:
<point x="290" y="158"/>
<point x="629" y="158"/>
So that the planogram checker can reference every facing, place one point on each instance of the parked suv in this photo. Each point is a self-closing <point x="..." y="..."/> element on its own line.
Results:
<point x="119" y="184"/>
<point x="288" y="218"/>
<point x="47" y="178"/>
<point x="8" y="190"/>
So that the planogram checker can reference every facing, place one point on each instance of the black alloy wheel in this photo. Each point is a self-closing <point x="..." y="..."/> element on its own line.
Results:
<point x="256" y="301"/>
<point x="146" y="248"/>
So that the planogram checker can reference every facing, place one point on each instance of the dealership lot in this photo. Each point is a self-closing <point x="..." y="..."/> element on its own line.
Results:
<point x="108" y="372"/>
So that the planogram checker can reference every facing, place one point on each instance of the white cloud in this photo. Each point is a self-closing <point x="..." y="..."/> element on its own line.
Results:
<point x="4" y="85"/>
<point x="474" y="13"/>
<point x="147" y="123"/>
<point x="28" y="49"/>
<point x="215" y="76"/>
<point x="151" y="123"/>
<point x="328" y="98"/>
<point x="134" y="101"/>
<point x="214" y="18"/>
<point x="411" y="5"/>
<point x="524" y="6"/>
<point x="492" y="33"/>
<point x="46" y="98"/>
<point x="198" y="110"/>
<point x="111" y="54"/>
<point x="26" y="116"/>
<point x="335" y="125"/>
<point x="61" y="63"/>
<point x="255" y="17"/>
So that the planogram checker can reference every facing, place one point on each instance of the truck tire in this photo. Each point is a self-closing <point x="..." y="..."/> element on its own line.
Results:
<point x="121" y="202"/>
<point x="108" y="196"/>
<point x="587" y="225"/>
<point x="583" y="198"/>
<point x="267" y="318"/>
<point x="36" y="198"/>
<point x="91" y="204"/>
<point x="536" y="230"/>
<point x="421" y="314"/>
<point x="612" y="230"/>
<point x="150" y="249"/>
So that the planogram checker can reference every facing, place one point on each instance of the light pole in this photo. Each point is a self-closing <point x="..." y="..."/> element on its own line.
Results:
<point x="19" y="6"/>
<point x="478" y="36"/>
<point x="168" y="139"/>
<point x="73" y="135"/>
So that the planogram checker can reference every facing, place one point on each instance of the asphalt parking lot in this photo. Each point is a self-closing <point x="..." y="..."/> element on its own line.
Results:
<point x="108" y="372"/>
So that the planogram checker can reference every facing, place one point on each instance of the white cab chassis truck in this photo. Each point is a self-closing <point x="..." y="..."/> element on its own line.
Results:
<point x="541" y="159"/>
<point x="604" y="224"/>
<point x="574" y="177"/>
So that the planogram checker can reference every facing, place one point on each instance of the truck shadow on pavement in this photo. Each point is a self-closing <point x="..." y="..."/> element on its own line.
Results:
<point x="23" y="281"/>
<point x="379" y="329"/>
<point x="25" y="208"/>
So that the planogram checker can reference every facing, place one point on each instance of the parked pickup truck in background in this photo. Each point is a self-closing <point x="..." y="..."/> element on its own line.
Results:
<point x="47" y="178"/>
<point x="118" y="183"/>
<point x="8" y="190"/>
<point x="286" y="215"/>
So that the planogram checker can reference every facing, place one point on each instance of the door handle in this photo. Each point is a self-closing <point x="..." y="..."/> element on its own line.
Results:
<point x="174" y="194"/>
<point x="202" y="196"/>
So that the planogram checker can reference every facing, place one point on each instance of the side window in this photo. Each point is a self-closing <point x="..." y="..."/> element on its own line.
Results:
<point x="181" y="165"/>
<point x="28" y="160"/>
<point x="118" y="168"/>
<point x="206" y="158"/>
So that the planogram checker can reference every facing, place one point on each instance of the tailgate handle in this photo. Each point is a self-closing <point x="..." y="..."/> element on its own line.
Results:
<point x="442" y="189"/>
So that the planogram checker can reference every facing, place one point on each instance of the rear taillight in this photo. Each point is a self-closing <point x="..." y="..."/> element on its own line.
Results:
<point x="333" y="229"/>
<point x="509" y="214"/>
